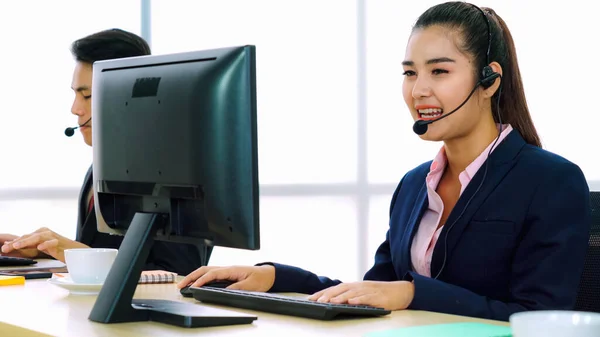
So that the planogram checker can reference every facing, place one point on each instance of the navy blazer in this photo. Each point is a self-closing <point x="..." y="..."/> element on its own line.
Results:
<point x="519" y="245"/>
<point x="179" y="258"/>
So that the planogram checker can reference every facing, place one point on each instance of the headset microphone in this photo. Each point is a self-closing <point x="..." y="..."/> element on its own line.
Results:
<point x="71" y="130"/>
<point x="420" y="126"/>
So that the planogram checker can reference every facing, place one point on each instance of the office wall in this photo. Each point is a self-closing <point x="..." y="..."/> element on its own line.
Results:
<point x="334" y="134"/>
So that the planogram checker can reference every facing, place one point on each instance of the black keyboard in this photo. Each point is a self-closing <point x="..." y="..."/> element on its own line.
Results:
<point x="6" y="261"/>
<point x="283" y="305"/>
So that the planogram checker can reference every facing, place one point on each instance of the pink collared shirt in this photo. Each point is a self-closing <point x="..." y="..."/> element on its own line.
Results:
<point x="427" y="232"/>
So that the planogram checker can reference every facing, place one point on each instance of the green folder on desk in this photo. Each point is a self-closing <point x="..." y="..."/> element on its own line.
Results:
<point x="447" y="330"/>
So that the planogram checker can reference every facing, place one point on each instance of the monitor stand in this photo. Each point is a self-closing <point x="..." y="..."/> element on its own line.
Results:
<point x="115" y="305"/>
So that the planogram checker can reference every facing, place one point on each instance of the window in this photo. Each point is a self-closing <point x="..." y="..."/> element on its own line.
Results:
<point x="317" y="233"/>
<point x="307" y="119"/>
<point x="39" y="162"/>
<point x="306" y="77"/>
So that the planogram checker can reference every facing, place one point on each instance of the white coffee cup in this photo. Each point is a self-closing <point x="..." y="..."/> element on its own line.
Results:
<point x="89" y="265"/>
<point x="555" y="323"/>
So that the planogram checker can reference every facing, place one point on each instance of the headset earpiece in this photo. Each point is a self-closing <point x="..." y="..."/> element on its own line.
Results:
<point x="488" y="76"/>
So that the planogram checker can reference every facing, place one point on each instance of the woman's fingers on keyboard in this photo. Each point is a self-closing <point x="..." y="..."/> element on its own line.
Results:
<point x="253" y="278"/>
<point x="247" y="284"/>
<point x="215" y="274"/>
<point x="193" y="276"/>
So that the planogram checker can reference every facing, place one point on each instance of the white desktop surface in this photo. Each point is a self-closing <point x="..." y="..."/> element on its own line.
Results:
<point x="41" y="309"/>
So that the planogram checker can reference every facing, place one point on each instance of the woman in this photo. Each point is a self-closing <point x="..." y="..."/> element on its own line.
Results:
<point x="469" y="235"/>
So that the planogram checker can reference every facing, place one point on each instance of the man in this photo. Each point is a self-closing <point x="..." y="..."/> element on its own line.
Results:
<point x="179" y="258"/>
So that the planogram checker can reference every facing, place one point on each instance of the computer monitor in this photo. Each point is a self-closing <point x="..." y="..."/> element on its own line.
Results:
<point x="175" y="159"/>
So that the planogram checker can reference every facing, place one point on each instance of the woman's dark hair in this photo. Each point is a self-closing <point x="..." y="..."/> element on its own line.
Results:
<point x="109" y="44"/>
<point x="470" y="23"/>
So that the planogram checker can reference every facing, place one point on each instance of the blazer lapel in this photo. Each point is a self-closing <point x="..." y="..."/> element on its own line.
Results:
<point x="82" y="215"/>
<point x="419" y="208"/>
<point x="501" y="161"/>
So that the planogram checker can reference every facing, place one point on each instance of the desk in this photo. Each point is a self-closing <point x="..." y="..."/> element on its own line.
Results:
<point x="41" y="309"/>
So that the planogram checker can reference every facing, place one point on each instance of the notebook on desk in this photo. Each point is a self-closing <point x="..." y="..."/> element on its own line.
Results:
<point x="157" y="276"/>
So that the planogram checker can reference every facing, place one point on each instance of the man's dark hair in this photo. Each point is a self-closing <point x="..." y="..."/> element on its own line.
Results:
<point x="109" y="44"/>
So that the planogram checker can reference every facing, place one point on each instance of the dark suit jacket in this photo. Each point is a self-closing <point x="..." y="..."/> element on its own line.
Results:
<point x="174" y="257"/>
<point x="520" y="244"/>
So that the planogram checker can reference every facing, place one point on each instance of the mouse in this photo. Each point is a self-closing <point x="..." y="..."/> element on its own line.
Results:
<point x="186" y="292"/>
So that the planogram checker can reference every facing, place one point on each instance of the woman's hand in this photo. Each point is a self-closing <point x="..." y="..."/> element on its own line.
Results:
<point x="395" y="295"/>
<point x="251" y="278"/>
<point x="41" y="241"/>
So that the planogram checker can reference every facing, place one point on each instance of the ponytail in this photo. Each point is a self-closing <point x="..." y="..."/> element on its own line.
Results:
<point x="513" y="104"/>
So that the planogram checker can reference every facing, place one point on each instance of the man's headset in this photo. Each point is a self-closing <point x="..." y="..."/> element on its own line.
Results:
<point x="71" y="130"/>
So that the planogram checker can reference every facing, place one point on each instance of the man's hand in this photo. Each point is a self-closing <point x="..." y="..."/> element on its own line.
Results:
<point x="395" y="295"/>
<point x="7" y="237"/>
<point x="41" y="241"/>
<point x="28" y="253"/>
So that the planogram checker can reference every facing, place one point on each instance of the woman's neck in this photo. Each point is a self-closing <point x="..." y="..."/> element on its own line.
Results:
<point x="461" y="152"/>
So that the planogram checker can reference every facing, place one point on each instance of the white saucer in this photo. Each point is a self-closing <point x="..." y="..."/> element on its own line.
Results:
<point x="65" y="282"/>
